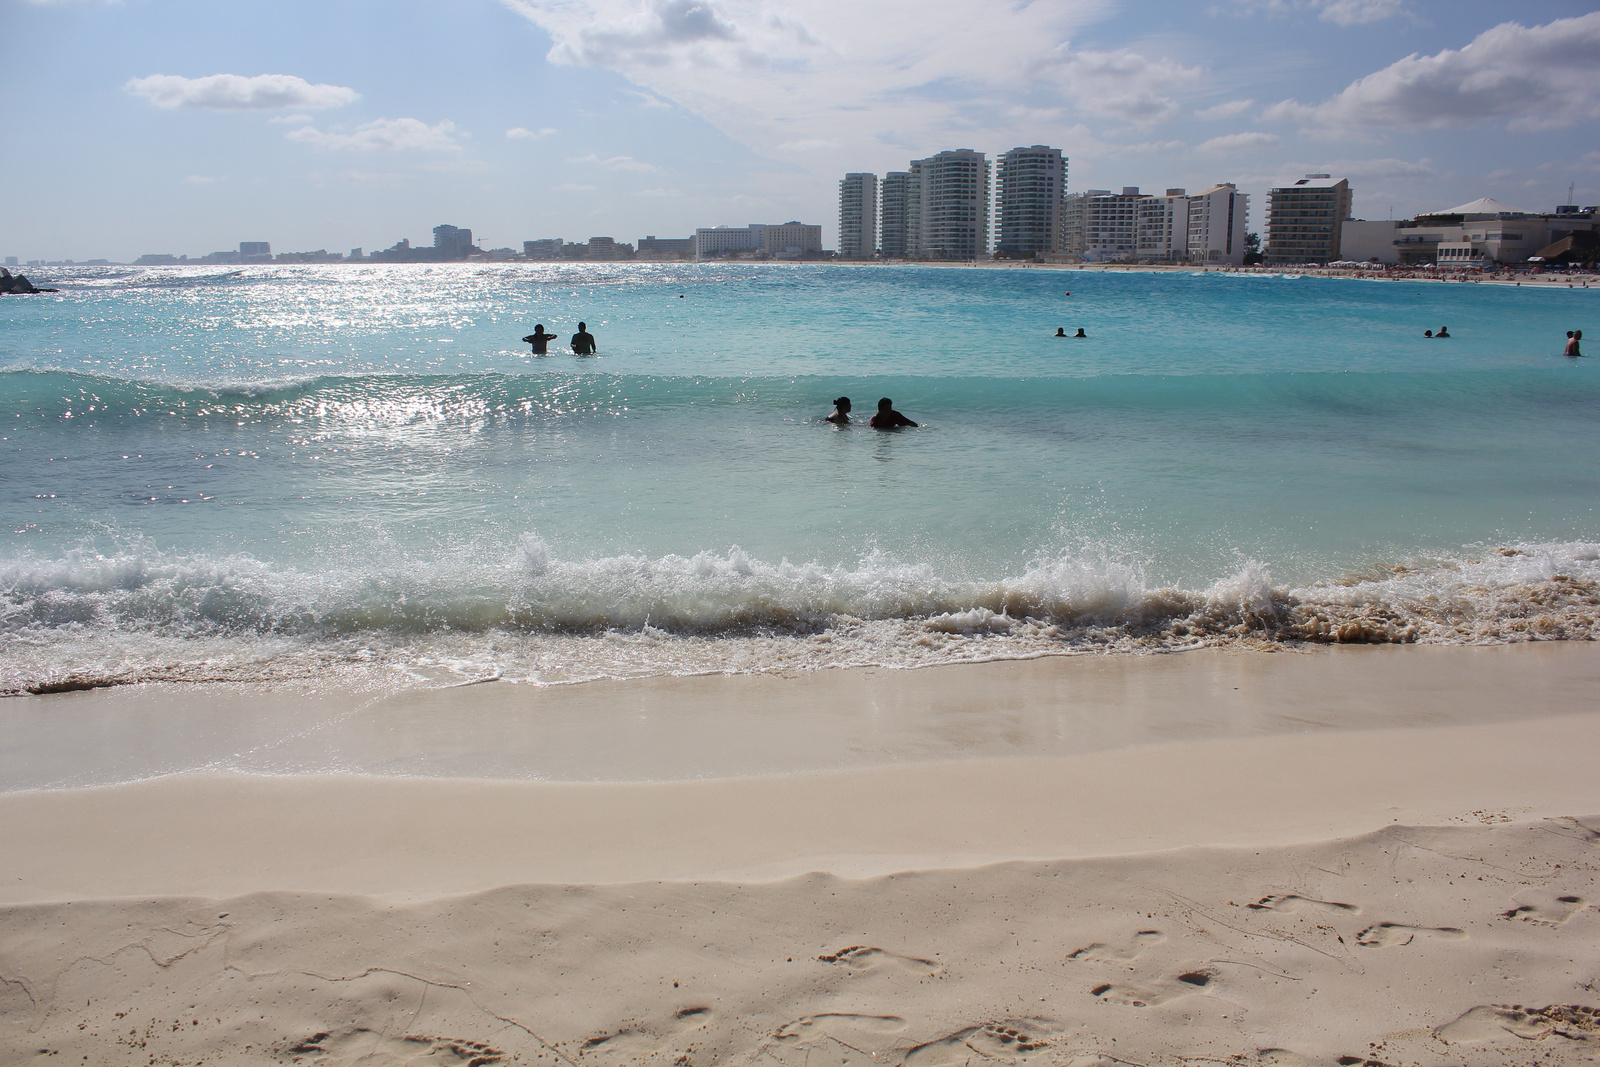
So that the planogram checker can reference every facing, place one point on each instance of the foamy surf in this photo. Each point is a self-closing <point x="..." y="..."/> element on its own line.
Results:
<point x="88" y="619"/>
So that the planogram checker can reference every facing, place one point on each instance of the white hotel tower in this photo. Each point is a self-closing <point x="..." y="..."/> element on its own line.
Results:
<point x="858" y="216"/>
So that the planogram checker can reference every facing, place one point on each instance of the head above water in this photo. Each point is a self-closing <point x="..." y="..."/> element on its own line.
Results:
<point x="1080" y="333"/>
<point x="1061" y="331"/>
<point x="843" y="403"/>
<point x="885" y="404"/>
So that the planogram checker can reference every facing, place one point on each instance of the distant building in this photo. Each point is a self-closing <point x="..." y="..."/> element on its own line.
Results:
<point x="1474" y="234"/>
<point x="1217" y="225"/>
<point x="858" y="216"/>
<point x="1162" y="225"/>
<point x="1304" y="220"/>
<point x="543" y="248"/>
<point x="953" y="201"/>
<point x="11" y="261"/>
<point x="787" y="240"/>
<point x="1033" y="183"/>
<point x="1111" y="225"/>
<point x="255" y="252"/>
<point x="654" y="247"/>
<point x="159" y="259"/>
<point x="453" y="242"/>
<point x="220" y="257"/>
<point x="355" y="255"/>
<point x="893" y="213"/>
<point x="321" y="255"/>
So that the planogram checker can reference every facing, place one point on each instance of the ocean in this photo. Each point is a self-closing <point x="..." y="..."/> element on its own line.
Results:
<point x="358" y="475"/>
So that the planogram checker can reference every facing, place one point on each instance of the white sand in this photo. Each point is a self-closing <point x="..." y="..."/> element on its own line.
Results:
<point x="1281" y="897"/>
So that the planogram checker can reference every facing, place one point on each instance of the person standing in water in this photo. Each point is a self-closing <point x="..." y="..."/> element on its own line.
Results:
<point x="888" y="418"/>
<point x="1573" y="347"/>
<point x="841" y="412"/>
<point x="540" y="340"/>
<point x="583" y="341"/>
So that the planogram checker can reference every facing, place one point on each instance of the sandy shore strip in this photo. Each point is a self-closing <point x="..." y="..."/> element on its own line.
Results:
<point x="1328" y="894"/>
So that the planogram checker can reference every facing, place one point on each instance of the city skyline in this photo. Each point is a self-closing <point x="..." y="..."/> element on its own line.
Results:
<point x="174" y="124"/>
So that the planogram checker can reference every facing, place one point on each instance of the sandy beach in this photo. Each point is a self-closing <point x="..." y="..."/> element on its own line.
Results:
<point x="1358" y="856"/>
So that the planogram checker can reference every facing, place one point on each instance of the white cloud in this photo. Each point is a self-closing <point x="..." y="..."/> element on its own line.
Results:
<point x="1225" y="110"/>
<point x="1359" y="169"/>
<point x="627" y="163"/>
<point x="1537" y="78"/>
<point x="868" y="85"/>
<point x="234" y="92"/>
<point x="292" y="120"/>
<point x="1120" y="84"/>
<point x="1237" y="142"/>
<point x="520" y="133"/>
<point x="384" y="135"/>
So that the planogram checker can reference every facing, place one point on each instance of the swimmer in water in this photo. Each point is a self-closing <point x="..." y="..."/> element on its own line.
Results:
<point x="1573" y="348"/>
<point x="1427" y="333"/>
<point x="540" y="340"/>
<point x="1444" y="331"/>
<point x="583" y="341"/>
<point x="1080" y="333"/>
<point x="841" y="412"/>
<point x="1061" y="331"/>
<point x="888" y="418"/>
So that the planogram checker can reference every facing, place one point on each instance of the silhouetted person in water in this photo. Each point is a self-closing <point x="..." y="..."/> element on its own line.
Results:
<point x="1444" y="331"/>
<point x="1427" y="333"/>
<point x="583" y="341"/>
<point x="1080" y="333"/>
<point x="1061" y="331"/>
<point x="888" y="418"/>
<point x="841" y="412"/>
<point x="540" y="340"/>
<point x="1573" y="346"/>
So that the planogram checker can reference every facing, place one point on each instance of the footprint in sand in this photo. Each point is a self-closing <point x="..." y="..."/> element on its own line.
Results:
<point x="1104" y="953"/>
<point x="1393" y="935"/>
<point x="1281" y="1057"/>
<point x="1149" y="996"/>
<point x="1290" y="902"/>
<point x="1488" y="1022"/>
<point x="367" y="1047"/>
<point x="642" y="1041"/>
<point x="864" y="958"/>
<point x="840" y="1026"/>
<point x="1010" y="1041"/>
<point x="1545" y="909"/>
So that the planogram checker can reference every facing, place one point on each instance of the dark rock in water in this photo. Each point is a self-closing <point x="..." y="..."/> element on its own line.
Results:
<point x="19" y="283"/>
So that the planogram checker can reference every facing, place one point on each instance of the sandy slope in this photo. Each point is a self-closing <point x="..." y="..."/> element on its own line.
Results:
<point x="1403" y="946"/>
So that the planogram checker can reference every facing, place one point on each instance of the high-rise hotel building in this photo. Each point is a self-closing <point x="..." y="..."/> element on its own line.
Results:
<point x="1304" y="220"/>
<point x="953" y="198"/>
<point x="1033" y="188"/>
<point x="858" y="216"/>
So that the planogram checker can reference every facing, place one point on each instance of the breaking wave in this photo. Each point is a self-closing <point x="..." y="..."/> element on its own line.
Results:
<point x="89" y="619"/>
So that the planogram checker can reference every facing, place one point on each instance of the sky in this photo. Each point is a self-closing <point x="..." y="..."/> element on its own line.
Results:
<point x="187" y="126"/>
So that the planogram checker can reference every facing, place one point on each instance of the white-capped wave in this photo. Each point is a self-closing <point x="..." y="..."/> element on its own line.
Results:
<point x="133" y="612"/>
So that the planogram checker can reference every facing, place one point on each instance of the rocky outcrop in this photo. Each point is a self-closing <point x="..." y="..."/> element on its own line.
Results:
<point x="19" y="284"/>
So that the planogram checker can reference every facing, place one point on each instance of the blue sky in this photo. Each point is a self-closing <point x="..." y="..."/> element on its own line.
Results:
<point x="186" y="126"/>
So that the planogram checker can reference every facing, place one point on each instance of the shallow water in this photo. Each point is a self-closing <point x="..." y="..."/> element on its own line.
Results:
<point x="357" y="472"/>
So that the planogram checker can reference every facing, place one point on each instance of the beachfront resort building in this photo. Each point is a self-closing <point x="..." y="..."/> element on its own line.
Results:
<point x="1304" y="220"/>
<point x="1032" y="184"/>
<point x="452" y="242"/>
<point x="787" y="240"/>
<point x="1474" y="234"/>
<point x="1217" y="218"/>
<point x="858" y="216"/>
<point x="953" y="202"/>
<point x="1161" y="225"/>
<point x="892" y="216"/>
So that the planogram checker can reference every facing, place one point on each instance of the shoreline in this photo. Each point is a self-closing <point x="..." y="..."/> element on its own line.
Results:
<point x="719" y="726"/>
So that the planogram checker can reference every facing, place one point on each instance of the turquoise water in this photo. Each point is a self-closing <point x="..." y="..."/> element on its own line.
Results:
<point x="310" y="471"/>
